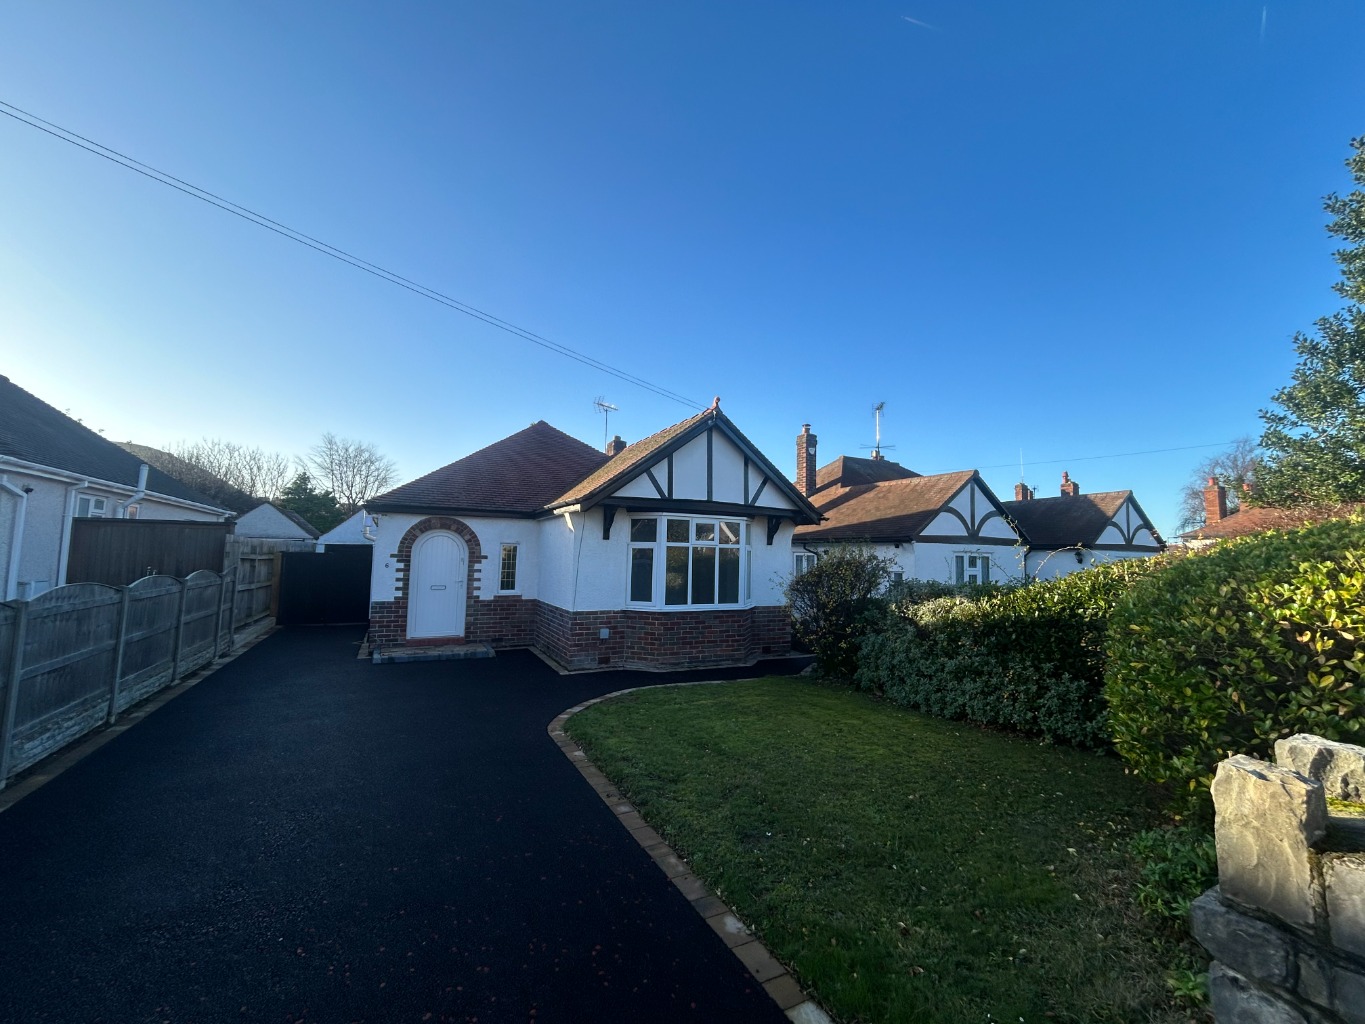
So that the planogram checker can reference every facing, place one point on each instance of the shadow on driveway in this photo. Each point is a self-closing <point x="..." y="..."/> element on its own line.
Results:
<point x="307" y="837"/>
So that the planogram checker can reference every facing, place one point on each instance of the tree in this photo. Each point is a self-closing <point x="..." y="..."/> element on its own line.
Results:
<point x="1235" y="469"/>
<point x="319" y="508"/>
<point x="1314" y="442"/>
<point x="355" y="471"/>
<point x="252" y="471"/>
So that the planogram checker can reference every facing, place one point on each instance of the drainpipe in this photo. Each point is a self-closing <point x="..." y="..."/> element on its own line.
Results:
<point x="65" y="556"/>
<point x="16" y="545"/>
<point x="121" y="510"/>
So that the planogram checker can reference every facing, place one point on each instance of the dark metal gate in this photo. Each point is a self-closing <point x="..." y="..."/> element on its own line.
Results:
<point x="329" y="587"/>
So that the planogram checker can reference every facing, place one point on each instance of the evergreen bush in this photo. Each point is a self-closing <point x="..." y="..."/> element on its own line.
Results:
<point x="1029" y="659"/>
<point x="1228" y="650"/>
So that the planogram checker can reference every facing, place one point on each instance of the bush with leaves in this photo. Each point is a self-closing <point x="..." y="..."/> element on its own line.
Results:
<point x="1228" y="650"/>
<point x="833" y="601"/>
<point x="1029" y="659"/>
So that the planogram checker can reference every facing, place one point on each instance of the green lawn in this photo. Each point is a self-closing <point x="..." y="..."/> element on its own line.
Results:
<point x="906" y="868"/>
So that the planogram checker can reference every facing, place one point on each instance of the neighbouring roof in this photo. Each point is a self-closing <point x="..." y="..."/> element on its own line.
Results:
<point x="1247" y="520"/>
<point x="299" y="521"/>
<point x="192" y="476"/>
<point x="33" y="431"/>
<point x="892" y="510"/>
<point x="1068" y="520"/>
<point x="849" y="471"/>
<point x="519" y="475"/>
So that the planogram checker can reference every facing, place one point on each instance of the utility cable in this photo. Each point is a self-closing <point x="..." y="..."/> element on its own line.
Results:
<point x="284" y="230"/>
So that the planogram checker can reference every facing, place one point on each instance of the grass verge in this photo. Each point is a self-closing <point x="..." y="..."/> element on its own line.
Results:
<point x="905" y="868"/>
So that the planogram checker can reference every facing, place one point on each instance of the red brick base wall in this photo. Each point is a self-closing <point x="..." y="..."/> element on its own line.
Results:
<point x="636" y="639"/>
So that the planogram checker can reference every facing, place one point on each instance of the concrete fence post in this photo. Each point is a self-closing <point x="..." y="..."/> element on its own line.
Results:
<point x="178" y="647"/>
<point x="11" y="708"/>
<point x="125" y="601"/>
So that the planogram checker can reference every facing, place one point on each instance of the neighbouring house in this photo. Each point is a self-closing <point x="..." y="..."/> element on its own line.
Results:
<point x="55" y="471"/>
<point x="358" y="528"/>
<point x="951" y="527"/>
<point x="1220" y="524"/>
<point x="668" y="552"/>
<point x="268" y="522"/>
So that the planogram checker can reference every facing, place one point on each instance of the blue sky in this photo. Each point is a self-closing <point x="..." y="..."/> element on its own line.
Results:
<point x="1077" y="228"/>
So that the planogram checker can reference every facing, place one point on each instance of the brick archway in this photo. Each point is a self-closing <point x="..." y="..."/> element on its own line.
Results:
<point x="389" y="619"/>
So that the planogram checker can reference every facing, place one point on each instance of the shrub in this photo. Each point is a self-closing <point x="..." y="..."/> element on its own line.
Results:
<point x="1176" y="865"/>
<point x="1029" y="659"/>
<point x="833" y="601"/>
<point x="1228" y="650"/>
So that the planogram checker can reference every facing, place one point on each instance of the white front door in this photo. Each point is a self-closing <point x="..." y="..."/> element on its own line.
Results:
<point x="436" y="585"/>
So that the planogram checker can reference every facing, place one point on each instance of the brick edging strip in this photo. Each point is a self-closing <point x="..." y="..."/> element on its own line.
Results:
<point x="753" y="954"/>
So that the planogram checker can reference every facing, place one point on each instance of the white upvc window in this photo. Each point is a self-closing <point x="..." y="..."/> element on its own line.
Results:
<point x="507" y="569"/>
<point x="89" y="506"/>
<point x="971" y="568"/>
<point x="804" y="562"/>
<point x="688" y="562"/>
<point x="131" y="512"/>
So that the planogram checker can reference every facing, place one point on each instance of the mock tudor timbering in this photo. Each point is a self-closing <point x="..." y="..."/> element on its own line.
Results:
<point x="1286" y="924"/>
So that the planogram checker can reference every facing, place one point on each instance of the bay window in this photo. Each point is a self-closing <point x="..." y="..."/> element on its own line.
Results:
<point x="679" y="561"/>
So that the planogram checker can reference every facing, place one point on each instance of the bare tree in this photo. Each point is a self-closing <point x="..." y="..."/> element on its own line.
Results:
<point x="354" y="471"/>
<point x="255" y="471"/>
<point x="1234" y="469"/>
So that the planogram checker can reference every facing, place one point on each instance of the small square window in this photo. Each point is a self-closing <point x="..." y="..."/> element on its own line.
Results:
<point x="705" y="531"/>
<point x="644" y="531"/>
<point x="678" y="531"/>
<point x="88" y="507"/>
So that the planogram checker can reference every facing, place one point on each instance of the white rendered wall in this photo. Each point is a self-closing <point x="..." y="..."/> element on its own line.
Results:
<point x="267" y="521"/>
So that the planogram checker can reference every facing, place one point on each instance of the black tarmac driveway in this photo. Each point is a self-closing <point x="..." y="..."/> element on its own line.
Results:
<point x="307" y="837"/>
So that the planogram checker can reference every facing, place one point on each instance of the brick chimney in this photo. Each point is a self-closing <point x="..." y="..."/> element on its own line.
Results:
<point x="1069" y="488"/>
<point x="805" y="461"/>
<point x="616" y="446"/>
<point x="1023" y="492"/>
<point x="1215" y="502"/>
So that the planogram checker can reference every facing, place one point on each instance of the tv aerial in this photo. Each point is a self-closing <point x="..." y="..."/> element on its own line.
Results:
<point x="606" y="409"/>
<point x="877" y="411"/>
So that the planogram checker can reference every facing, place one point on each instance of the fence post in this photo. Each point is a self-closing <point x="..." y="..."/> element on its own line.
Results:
<point x="230" y="598"/>
<point x="179" y="633"/>
<point x="11" y="709"/>
<point x="118" y="654"/>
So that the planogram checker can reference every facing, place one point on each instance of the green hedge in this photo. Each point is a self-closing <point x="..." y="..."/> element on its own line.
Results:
<point x="1029" y="659"/>
<point x="1226" y="651"/>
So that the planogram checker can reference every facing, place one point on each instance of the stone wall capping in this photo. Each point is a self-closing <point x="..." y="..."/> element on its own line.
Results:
<point x="1286" y="924"/>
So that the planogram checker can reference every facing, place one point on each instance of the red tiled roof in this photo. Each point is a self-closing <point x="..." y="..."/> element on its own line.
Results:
<point x="892" y="510"/>
<point x="1248" y="520"/>
<point x="1068" y="520"/>
<point x="518" y="475"/>
<point x="848" y="471"/>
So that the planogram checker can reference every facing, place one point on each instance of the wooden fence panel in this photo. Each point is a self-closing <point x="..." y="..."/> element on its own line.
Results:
<point x="149" y="639"/>
<point x="199" y="621"/>
<point x="120" y="551"/>
<point x="67" y="663"/>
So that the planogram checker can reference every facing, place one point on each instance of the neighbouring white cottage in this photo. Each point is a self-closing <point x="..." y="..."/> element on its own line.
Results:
<point x="669" y="552"/>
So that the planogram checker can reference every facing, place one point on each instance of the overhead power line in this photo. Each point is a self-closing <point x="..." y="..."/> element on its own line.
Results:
<point x="1116" y="455"/>
<point x="294" y="235"/>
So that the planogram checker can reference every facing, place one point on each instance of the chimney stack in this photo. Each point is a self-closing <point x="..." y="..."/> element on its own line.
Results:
<point x="1069" y="488"/>
<point x="1215" y="502"/>
<point x="1023" y="492"/>
<point x="616" y="446"/>
<point x="805" y="461"/>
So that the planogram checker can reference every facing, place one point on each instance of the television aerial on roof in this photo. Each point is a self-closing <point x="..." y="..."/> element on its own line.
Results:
<point x="606" y="409"/>
<point x="877" y="411"/>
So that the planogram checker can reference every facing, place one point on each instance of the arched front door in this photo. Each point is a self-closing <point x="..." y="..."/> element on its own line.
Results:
<point x="436" y="585"/>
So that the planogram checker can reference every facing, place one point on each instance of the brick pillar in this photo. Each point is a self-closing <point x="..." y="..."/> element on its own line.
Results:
<point x="805" y="461"/>
<point x="616" y="446"/>
<point x="1069" y="487"/>
<point x="1215" y="502"/>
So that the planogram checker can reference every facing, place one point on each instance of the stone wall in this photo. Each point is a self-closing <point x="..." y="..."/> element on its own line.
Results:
<point x="1286" y="924"/>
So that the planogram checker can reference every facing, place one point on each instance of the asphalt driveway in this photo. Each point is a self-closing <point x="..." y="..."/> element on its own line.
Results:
<point x="306" y="837"/>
